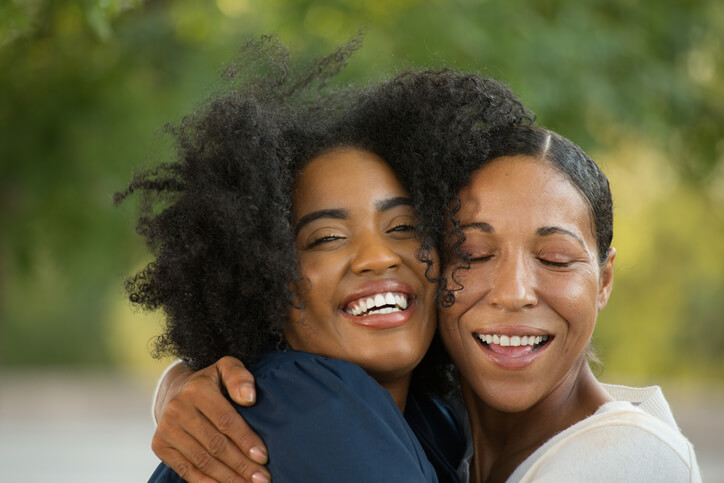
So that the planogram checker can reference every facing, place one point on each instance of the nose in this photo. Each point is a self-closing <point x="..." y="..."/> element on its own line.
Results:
<point x="374" y="254"/>
<point x="513" y="285"/>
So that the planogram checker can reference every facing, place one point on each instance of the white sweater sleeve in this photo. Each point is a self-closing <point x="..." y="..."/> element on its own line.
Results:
<point x="626" y="446"/>
<point x="158" y="386"/>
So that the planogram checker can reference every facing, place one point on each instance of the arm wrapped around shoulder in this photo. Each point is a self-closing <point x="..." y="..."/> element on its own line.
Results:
<point x="326" y="420"/>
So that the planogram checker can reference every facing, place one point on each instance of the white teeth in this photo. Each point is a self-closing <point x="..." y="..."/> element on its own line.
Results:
<point x="513" y="340"/>
<point x="379" y="304"/>
<point x="401" y="301"/>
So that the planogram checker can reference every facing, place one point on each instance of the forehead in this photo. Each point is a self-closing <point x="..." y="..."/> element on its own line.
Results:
<point x="523" y="190"/>
<point x="343" y="177"/>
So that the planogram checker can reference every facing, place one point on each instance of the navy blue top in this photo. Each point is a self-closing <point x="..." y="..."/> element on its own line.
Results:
<point x="325" y="419"/>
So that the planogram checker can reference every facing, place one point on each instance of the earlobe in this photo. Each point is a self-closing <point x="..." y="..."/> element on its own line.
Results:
<point x="606" y="279"/>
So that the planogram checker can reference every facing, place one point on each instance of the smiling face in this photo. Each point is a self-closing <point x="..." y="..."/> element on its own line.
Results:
<point x="366" y="299"/>
<point x="519" y="327"/>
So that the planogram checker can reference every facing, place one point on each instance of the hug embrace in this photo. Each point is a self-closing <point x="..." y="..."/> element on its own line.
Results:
<point x="411" y="272"/>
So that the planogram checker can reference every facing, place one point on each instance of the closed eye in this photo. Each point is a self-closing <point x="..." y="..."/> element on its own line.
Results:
<point x="324" y="239"/>
<point x="402" y="228"/>
<point x="555" y="264"/>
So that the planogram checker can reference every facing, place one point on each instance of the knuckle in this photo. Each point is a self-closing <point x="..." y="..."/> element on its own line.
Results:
<point x="217" y="444"/>
<point x="243" y="468"/>
<point x="174" y="409"/>
<point x="202" y="459"/>
<point x="182" y="469"/>
<point x="225" y="421"/>
<point x="194" y="385"/>
<point x="158" y="446"/>
<point x="231" y="478"/>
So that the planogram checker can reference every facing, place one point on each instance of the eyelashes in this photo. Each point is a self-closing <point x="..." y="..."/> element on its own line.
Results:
<point x="555" y="264"/>
<point x="399" y="231"/>
<point x="546" y="262"/>
<point x="315" y="242"/>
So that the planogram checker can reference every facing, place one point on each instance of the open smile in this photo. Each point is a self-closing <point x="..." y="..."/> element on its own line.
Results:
<point x="513" y="351"/>
<point x="381" y="303"/>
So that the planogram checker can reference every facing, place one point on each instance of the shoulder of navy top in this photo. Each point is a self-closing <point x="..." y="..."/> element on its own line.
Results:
<point x="310" y="398"/>
<point x="440" y="432"/>
<point x="328" y="420"/>
<point x="433" y="421"/>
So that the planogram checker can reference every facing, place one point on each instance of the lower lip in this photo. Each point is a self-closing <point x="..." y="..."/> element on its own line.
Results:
<point x="512" y="363"/>
<point x="382" y="321"/>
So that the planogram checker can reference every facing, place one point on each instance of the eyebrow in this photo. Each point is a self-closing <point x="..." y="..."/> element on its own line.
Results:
<point x="556" y="230"/>
<point x="389" y="203"/>
<point x="543" y="231"/>
<point x="340" y="214"/>
<point x="316" y="215"/>
<point x="479" y="225"/>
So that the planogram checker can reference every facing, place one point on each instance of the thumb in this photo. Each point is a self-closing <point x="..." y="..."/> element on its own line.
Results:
<point x="237" y="380"/>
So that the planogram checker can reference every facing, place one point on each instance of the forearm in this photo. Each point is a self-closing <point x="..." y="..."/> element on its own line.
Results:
<point x="164" y="387"/>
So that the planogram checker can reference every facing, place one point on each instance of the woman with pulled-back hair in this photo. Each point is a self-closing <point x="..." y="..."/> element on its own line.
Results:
<point x="529" y="267"/>
<point x="284" y="235"/>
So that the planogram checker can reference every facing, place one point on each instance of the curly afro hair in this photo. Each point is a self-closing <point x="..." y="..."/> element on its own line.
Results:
<point x="218" y="219"/>
<point x="430" y="127"/>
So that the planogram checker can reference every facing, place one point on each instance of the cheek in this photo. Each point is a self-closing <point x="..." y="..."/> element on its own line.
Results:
<point x="407" y="250"/>
<point x="320" y="271"/>
<point x="575" y="298"/>
<point x="469" y="288"/>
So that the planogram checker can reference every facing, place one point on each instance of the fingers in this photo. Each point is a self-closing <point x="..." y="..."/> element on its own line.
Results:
<point x="239" y="382"/>
<point x="201" y="434"/>
<point x="177" y="462"/>
<point x="227" y="436"/>
<point x="207" y="454"/>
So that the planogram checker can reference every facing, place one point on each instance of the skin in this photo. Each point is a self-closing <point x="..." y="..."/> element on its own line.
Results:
<point x="355" y="238"/>
<point x="534" y="271"/>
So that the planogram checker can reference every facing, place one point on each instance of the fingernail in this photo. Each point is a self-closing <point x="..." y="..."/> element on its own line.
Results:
<point x="258" y="455"/>
<point x="248" y="393"/>
<point x="259" y="477"/>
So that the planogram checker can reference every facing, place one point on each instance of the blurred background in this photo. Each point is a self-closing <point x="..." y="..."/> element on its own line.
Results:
<point x="86" y="87"/>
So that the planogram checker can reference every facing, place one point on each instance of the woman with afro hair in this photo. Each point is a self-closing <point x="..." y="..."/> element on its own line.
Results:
<point x="284" y="235"/>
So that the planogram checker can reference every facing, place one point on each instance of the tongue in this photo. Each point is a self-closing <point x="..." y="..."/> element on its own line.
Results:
<point x="511" y="351"/>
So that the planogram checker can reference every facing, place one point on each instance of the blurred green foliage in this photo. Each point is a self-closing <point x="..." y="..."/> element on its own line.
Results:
<point x="85" y="84"/>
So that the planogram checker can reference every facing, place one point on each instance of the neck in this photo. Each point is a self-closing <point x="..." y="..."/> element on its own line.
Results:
<point x="397" y="387"/>
<point x="503" y="440"/>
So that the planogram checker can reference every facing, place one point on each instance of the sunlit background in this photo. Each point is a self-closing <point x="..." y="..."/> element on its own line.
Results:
<point x="87" y="85"/>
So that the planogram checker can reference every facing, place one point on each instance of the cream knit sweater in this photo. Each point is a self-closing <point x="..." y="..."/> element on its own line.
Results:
<point x="633" y="439"/>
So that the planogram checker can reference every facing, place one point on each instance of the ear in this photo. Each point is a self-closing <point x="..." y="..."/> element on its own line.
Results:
<point x="606" y="280"/>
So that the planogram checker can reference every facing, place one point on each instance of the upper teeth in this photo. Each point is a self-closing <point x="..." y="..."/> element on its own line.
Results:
<point x="513" y="340"/>
<point x="374" y="304"/>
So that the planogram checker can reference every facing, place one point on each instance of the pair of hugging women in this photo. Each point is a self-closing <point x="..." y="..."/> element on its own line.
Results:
<point x="412" y="273"/>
